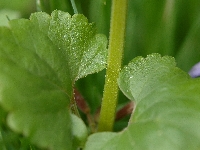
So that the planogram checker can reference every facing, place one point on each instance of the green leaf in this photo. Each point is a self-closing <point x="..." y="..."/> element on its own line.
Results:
<point x="40" y="59"/>
<point x="79" y="132"/>
<point x="6" y="14"/>
<point x="9" y="140"/>
<point x="167" y="108"/>
<point x="50" y="5"/>
<point x="189" y="53"/>
<point x="23" y="7"/>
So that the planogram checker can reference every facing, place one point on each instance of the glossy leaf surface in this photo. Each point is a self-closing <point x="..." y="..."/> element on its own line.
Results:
<point x="166" y="115"/>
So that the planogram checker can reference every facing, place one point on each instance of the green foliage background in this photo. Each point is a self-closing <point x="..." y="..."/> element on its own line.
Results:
<point x="168" y="27"/>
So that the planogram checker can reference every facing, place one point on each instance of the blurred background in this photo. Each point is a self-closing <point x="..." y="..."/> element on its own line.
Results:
<point x="168" y="27"/>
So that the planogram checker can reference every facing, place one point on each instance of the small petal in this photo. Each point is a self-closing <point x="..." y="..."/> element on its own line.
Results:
<point x="195" y="71"/>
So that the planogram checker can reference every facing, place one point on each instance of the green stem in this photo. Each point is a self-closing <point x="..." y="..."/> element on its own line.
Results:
<point x="74" y="6"/>
<point x="116" y="46"/>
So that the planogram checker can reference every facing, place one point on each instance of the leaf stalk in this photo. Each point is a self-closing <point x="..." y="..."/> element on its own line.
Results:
<point x="116" y="48"/>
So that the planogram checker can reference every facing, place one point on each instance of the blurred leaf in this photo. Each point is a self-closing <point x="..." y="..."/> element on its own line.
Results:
<point x="24" y="7"/>
<point x="189" y="53"/>
<point x="50" y="5"/>
<point x="40" y="59"/>
<point x="79" y="132"/>
<point x="94" y="83"/>
<point x="161" y="27"/>
<point x="6" y="15"/>
<point x="99" y="12"/>
<point x="9" y="140"/>
<point x="167" y="110"/>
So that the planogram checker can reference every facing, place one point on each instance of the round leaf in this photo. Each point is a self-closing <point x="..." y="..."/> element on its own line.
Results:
<point x="167" y="108"/>
<point x="40" y="59"/>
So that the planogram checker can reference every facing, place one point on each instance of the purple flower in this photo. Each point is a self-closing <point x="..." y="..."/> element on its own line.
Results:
<point x="195" y="71"/>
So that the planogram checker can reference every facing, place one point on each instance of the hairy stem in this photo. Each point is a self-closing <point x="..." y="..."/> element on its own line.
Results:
<point x="116" y="46"/>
